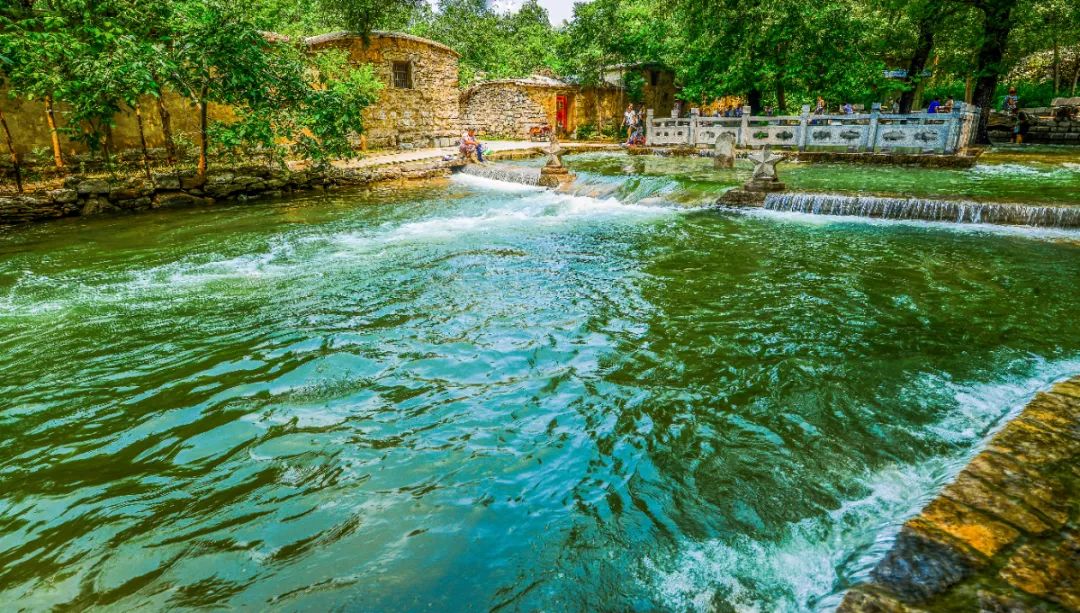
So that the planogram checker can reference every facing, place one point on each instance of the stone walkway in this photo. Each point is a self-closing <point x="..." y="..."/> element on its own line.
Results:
<point x="494" y="148"/>
<point x="1005" y="536"/>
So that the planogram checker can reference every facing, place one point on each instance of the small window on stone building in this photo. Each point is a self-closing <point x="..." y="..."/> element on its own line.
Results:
<point x="654" y="77"/>
<point x="403" y="75"/>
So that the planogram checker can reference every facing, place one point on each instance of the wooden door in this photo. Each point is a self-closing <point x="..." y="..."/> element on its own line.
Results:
<point x="560" y="113"/>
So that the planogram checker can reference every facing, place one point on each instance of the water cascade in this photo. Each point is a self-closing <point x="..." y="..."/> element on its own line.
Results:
<point x="958" y="211"/>
<point x="504" y="172"/>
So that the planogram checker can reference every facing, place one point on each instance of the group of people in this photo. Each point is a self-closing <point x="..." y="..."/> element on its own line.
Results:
<point x="634" y="124"/>
<point x="936" y="106"/>
<point x="470" y="147"/>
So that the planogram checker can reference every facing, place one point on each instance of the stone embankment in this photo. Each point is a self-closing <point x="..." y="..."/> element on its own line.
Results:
<point x="94" y="195"/>
<point x="1005" y="535"/>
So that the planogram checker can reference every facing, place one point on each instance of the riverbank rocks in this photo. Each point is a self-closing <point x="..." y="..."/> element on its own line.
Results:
<point x="100" y="195"/>
<point x="1005" y="535"/>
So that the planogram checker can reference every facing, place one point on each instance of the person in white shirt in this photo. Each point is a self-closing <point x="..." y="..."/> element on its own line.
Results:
<point x="629" y="121"/>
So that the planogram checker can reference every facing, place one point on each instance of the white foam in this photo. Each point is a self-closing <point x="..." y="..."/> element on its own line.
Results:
<point x="493" y="184"/>
<point x="969" y="228"/>
<point x="802" y="570"/>
<point x="1014" y="169"/>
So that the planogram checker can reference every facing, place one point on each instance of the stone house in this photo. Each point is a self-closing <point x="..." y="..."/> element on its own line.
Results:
<point x="418" y="106"/>
<point x="658" y="89"/>
<point x="512" y="107"/>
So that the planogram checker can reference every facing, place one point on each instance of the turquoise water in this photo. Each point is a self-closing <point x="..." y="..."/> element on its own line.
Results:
<point x="476" y="396"/>
<point x="1037" y="176"/>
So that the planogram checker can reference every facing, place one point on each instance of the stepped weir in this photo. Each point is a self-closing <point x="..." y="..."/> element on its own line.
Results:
<point x="504" y="172"/>
<point x="957" y="211"/>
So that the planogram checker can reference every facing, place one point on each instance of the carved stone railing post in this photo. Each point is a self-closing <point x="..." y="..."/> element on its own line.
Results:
<point x="744" y="127"/>
<point x="952" y="138"/>
<point x="871" y="135"/>
<point x="804" y="126"/>
<point x="692" y="132"/>
<point x="650" y="129"/>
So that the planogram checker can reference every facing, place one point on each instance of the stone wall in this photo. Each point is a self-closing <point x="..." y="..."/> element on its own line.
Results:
<point x="424" y="115"/>
<point x="81" y="195"/>
<point x="659" y="91"/>
<point x="30" y="129"/>
<point x="511" y="107"/>
<point x="508" y="108"/>
<point x="1053" y="132"/>
<point x="601" y="107"/>
<point x="1005" y="535"/>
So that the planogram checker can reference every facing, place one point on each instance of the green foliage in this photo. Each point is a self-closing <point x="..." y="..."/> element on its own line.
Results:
<point x="585" y="131"/>
<point x="492" y="46"/>
<point x="331" y="113"/>
<point x="634" y="82"/>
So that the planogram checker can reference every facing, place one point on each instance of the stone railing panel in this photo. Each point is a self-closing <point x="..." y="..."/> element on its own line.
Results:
<point x="860" y="132"/>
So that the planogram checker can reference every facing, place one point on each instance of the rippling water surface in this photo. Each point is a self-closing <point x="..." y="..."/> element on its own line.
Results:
<point x="471" y="396"/>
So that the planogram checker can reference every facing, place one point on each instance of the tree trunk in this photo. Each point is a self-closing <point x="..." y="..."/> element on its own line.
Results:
<point x="1076" y="73"/>
<point x="202" y="132"/>
<point x="1057" y="67"/>
<point x="166" y="130"/>
<point x="924" y="45"/>
<point x="50" y="117"/>
<point x="781" y="99"/>
<point x="997" y="24"/>
<point x="11" y="150"/>
<point x="969" y="88"/>
<point x="142" y="142"/>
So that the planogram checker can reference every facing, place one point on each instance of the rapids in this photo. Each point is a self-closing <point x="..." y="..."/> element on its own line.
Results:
<point x="480" y="395"/>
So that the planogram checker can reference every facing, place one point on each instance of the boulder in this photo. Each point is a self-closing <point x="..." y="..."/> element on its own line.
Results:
<point x="93" y="187"/>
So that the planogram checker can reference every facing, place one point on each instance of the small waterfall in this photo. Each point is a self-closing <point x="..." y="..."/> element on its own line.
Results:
<point x="504" y="172"/>
<point x="958" y="211"/>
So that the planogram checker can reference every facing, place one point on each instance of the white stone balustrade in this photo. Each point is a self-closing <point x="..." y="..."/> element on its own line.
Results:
<point x="860" y="132"/>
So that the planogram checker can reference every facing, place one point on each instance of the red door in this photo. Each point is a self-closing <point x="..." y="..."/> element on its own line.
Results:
<point x="560" y="112"/>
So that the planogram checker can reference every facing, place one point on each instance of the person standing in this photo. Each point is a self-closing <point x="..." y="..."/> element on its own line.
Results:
<point x="629" y="120"/>
<point x="1012" y="102"/>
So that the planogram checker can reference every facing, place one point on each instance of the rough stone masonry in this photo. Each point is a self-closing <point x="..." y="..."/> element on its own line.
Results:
<point x="1005" y="535"/>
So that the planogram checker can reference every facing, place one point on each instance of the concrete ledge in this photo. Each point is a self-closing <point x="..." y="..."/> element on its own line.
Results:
<point x="1005" y="535"/>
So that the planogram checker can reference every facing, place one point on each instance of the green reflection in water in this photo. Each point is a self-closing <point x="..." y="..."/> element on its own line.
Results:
<point x="471" y="395"/>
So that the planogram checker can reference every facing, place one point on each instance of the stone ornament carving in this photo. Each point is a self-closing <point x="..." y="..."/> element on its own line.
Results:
<point x="765" y="162"/>
<point x="725" y="151"/>
<point x="554" y="174"/>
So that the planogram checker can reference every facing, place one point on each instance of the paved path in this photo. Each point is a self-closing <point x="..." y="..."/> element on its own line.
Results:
<point x="436" y="153"/>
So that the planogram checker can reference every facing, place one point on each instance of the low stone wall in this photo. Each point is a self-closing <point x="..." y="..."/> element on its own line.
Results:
<point x="1050" y="131"/>
<point x="1005" y="535"/>
<point x="1043" y="131"/>
<point x="95" y="195"/>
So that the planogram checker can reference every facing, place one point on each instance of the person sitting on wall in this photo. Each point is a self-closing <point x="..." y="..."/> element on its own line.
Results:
<point x="820" y="108"/>
<point x="948" y="106"/>
<point x="847" y="109"/>
<point x="935" y="104"/>
<point x="470" y="147"/>
<point x="478" y="144"/>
